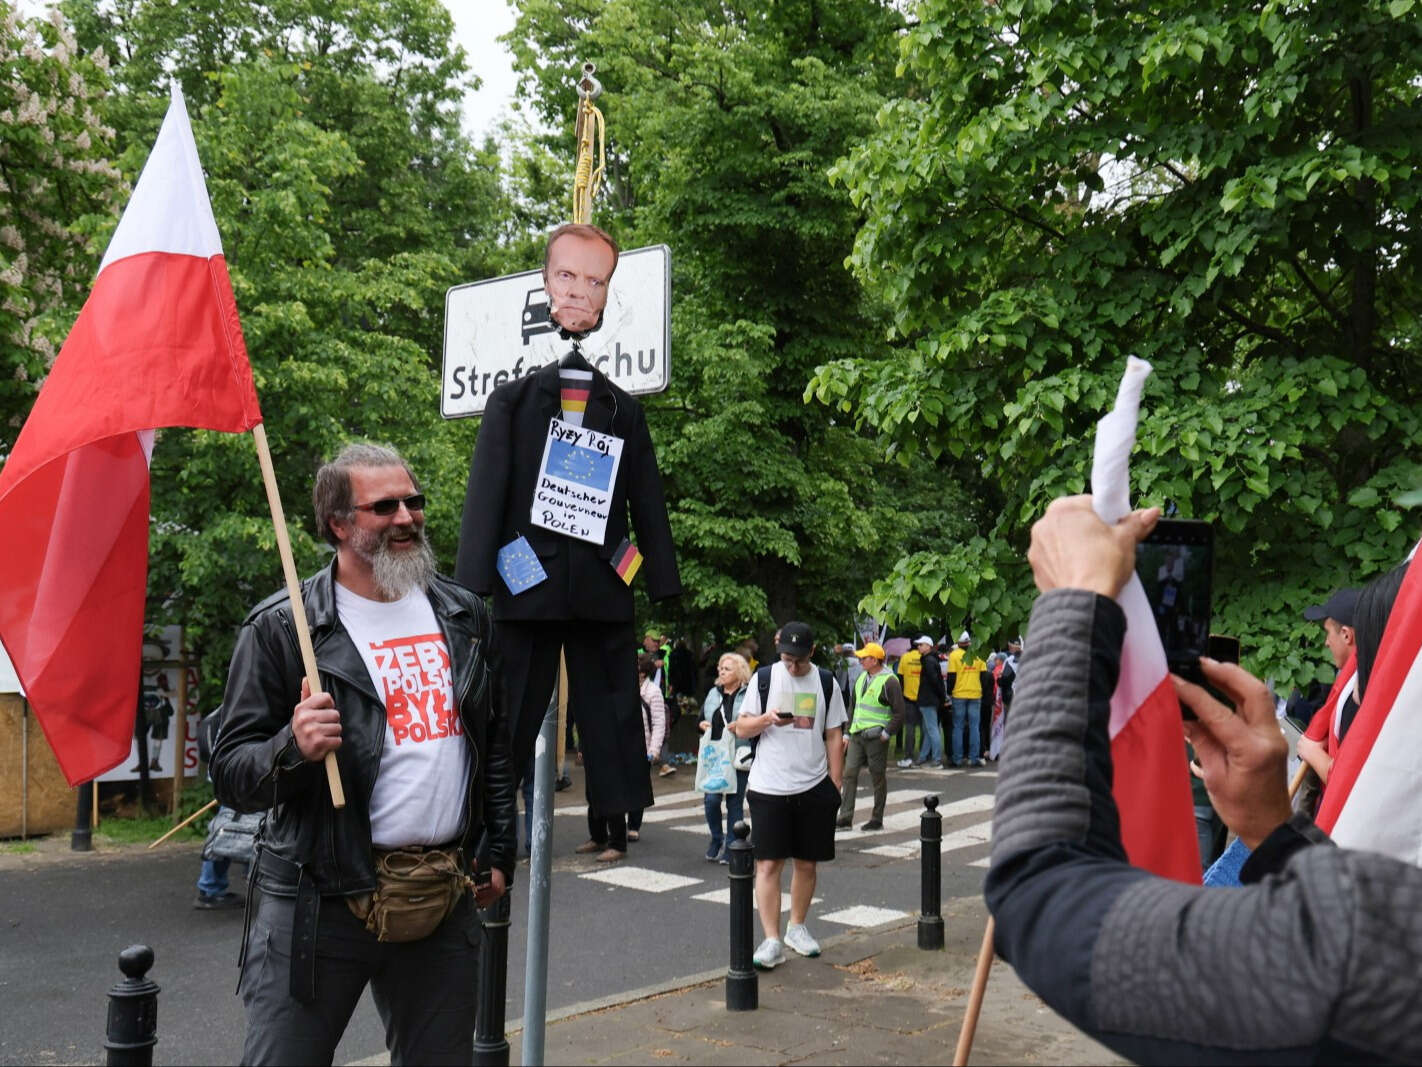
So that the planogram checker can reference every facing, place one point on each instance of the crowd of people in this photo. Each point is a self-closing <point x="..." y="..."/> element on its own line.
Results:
<point x="893" y="703"/>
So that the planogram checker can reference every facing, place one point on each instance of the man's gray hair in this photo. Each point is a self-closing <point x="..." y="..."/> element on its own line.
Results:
<point x="331" y="495"/>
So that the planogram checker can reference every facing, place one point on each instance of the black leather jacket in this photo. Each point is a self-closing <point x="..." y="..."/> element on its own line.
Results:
<point x="256" y="765"/>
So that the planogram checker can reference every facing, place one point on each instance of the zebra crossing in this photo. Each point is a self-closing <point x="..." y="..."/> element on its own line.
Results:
<point x="967" y="830"/>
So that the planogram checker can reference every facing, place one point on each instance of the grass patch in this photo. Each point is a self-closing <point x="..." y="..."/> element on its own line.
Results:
<point x="150" y="828"/>
<point x="17" y="848"/>
<point x="145" y="829"/>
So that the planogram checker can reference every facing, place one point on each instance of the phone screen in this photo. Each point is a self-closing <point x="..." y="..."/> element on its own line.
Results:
<point x="1223" y="648"/>
<point x="1176" y="566"/>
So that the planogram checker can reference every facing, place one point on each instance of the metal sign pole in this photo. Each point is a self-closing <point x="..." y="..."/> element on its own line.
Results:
<point x="540" y="877"/>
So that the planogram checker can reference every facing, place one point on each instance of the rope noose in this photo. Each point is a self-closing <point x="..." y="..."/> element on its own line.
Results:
<point x="587" y="180"/>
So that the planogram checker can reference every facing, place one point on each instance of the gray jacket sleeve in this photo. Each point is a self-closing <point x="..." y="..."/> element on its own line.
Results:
<point x="1317" y="962"/>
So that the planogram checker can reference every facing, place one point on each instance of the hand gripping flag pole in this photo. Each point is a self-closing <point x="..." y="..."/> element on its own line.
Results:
<point x="158" y="343"/>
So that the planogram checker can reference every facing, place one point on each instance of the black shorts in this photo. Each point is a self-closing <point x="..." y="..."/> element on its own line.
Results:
<point x="799" y="826"/>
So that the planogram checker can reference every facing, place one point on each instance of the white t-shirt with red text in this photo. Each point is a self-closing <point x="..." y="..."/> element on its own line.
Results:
<point x="420" y="789"/>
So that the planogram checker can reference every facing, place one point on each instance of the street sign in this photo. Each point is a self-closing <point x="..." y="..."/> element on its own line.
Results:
<point x="498" y="330"/>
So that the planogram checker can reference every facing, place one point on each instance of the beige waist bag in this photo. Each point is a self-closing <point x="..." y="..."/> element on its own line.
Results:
<point x="414" y="892"/>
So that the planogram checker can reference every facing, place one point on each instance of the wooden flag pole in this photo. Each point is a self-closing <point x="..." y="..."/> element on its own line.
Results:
<point x="298" y="606"/>
<point x="975" y="998"/>
<point x="562" y="711"/>
<point x="1298" y="778"/>
<point x="202" y="810"/>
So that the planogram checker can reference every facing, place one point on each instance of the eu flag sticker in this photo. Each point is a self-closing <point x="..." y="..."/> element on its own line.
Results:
<point x="583" y="466"/>
<point x="518" y="566"/>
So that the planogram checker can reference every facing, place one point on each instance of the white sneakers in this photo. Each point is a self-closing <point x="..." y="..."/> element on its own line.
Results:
<point x="770" y="954"/>
<point x="798" y="938"/>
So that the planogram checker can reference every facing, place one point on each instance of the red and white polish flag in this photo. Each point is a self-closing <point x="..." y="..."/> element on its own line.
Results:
<point x="1370" y="801"/>
<point x="158" y="343"/>
<point x="1150" y="779"/>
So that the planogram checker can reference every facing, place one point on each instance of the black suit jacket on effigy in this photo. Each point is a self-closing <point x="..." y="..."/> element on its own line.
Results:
<point x="581" y="582"/>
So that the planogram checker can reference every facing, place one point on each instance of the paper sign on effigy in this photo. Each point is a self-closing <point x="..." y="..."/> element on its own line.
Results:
<point x="573" y="495"/>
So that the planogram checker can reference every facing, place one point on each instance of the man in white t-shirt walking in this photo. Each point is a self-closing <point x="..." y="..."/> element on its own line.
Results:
<point x="410" y="711"/>
<point x="793" y="791"/>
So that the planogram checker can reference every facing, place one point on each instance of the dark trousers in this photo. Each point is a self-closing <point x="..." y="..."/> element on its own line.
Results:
<point x="425" y="991"/>
<point x="602" y="697"/>
<point x="862" y="752"/>
<point x="611" y="830"/>
<point x="910" y="737"/>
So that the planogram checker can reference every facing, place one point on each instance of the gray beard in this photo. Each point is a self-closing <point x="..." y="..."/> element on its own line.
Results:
<point x="396" y="573"/>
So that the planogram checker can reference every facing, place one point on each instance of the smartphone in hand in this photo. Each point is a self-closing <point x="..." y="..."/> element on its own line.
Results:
<point x="1176" y="566"/>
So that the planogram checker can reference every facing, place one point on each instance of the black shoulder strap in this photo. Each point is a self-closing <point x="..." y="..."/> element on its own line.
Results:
<point x="762" y="683"/>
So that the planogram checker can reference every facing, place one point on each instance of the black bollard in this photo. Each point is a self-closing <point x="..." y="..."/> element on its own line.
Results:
<point x="82" y="838"/>
<point x="491" y="1047"/>
<point x="133" y="1011"/>
<point x="930" y="834"/>
<point x="742" y="983"/>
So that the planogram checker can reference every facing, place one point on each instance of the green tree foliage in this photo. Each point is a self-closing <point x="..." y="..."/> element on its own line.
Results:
<point x="56" y="187"/>
<point x="1227" y="190"/>
<point x="722" y="120"/>
<point x="348" y="200"/>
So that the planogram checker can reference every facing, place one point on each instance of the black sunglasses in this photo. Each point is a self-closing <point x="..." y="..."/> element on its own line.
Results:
<point x="391" y="504"/>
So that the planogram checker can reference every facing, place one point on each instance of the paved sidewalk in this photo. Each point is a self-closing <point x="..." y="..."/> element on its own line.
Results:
<point x="871" y="997"/>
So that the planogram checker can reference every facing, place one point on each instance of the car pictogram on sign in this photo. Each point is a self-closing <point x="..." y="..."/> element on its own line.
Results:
<point x="535" y="315"/>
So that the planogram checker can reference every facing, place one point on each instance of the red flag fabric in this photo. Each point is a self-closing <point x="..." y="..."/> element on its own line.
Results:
<point x="157" y="344"/>
<point x="1323" y="727"/>
<point x="1150" y="780"/>
<point x="1370" y="801"/>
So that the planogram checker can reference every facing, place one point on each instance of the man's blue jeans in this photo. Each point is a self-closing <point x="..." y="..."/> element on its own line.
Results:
<point x="932" y="747"/>
<point x="212" y="879"/>
<point x="965" y="718"/>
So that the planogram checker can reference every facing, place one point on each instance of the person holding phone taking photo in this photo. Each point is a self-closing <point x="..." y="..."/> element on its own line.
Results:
<point x="1310" y="961"/>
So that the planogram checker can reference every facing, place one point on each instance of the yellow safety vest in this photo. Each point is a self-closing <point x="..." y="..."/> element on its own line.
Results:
<point x="870" y="711"/>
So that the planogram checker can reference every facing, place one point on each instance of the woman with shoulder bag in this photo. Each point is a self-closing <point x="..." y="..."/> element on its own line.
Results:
<point x="723" y="704"/>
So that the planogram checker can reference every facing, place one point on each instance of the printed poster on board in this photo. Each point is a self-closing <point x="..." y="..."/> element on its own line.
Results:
<point x="573" y="494"/>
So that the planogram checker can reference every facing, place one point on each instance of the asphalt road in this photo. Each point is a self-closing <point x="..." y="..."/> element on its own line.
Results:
<point x="66" y="917"/>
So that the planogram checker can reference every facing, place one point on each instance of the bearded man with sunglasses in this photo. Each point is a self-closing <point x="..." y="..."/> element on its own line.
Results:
<point x="411" y="712"/>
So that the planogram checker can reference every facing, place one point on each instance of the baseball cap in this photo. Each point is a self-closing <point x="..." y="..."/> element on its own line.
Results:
<point x="871" y="648"/>
<point x="795" y="639"/>
<point x="1015" y="641"/>
<point x="924" y="639"/>
<point x="1340" y="607"/>
<point x="964" y="636"/>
